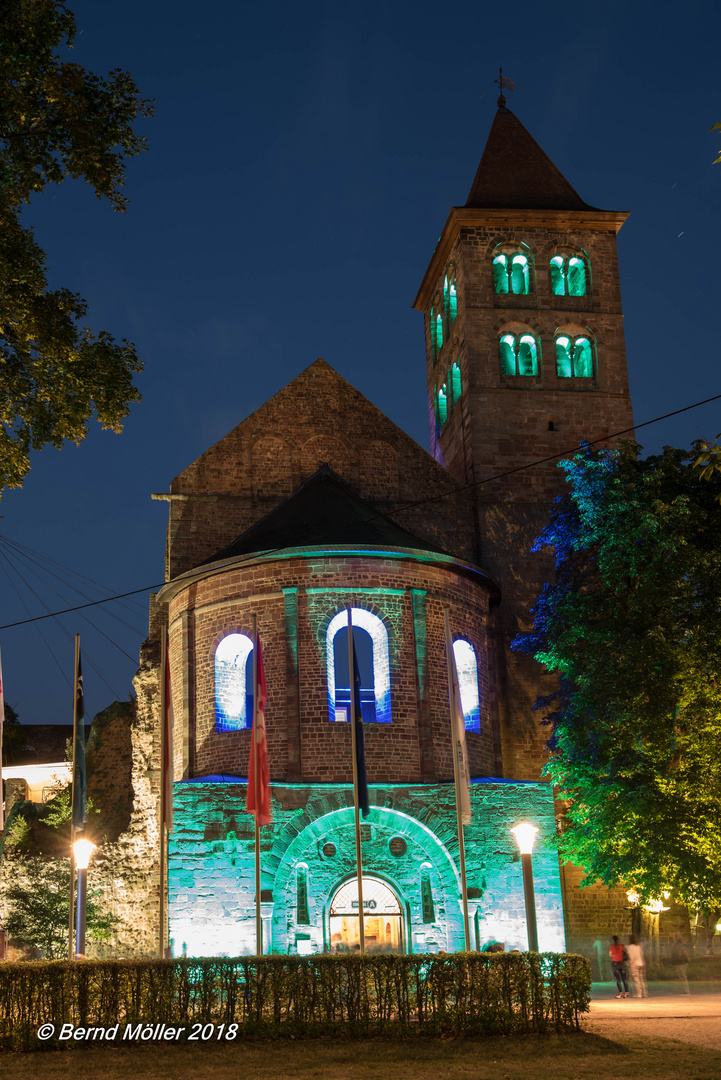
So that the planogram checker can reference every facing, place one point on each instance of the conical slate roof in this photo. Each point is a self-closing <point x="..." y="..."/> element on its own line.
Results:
<point x="516" y="174"/>
<point x="323" y="511"/>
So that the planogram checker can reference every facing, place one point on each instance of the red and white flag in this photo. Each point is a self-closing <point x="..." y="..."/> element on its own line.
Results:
<point x="258" y="796"/>
<point x="169" y="722"/>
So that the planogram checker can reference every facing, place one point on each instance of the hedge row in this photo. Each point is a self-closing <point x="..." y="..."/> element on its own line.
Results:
<point x="461" y="993"/>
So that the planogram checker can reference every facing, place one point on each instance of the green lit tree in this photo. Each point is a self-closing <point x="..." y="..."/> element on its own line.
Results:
<point x="38" y="909"/>
<point x="57" y="121"/>
<point x="632" y="626"/>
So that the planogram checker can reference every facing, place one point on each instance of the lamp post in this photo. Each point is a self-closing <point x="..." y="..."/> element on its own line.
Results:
<point x="525" y="835"/>
<point x="83" y="850"/>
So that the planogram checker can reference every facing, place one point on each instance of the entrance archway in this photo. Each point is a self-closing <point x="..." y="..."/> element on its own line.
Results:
<point x="383" y="918"/>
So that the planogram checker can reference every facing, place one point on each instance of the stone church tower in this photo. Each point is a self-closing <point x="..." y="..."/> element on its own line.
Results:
<point x="525" y="357"/>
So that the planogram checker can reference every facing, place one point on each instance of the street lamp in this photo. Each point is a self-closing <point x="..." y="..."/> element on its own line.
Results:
<point x="83" y="849"/>
<point x="525" y="835"/>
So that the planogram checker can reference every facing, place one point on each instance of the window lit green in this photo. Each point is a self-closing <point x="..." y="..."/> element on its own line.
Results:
<point x="439" y="333"/>
<point x="446" y="299"/>
<point x="303" y="914"/>
<point x="500" y="273"/>
<point x="429" y="913"/>
<point x="507" y="347"/>
<point x="583" y="358"/>
<point x="564" y="368"/>
<point x="443" y="404"/>
<point x="453" y="301"/>
<point x="433" y="332"/>
<point x="576" y="277"/>
<point x="527" y="358"/>
<point x="519" y="275"/>
<point x="558" y="278"/>
<point x="456" y="388"/>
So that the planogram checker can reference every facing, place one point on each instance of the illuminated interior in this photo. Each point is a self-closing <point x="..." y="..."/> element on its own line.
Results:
<point x="378" y="634"/>
<point x="234" y="683"/>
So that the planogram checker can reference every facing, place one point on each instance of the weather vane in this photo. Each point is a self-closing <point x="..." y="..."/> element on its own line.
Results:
<point x="503" y="83"/>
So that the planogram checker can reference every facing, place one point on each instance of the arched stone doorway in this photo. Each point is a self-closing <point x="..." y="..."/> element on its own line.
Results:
<point x="382" y="918"/>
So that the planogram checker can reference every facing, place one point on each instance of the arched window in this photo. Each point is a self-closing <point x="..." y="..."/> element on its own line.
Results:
<point x="574" y="357"/>
<point x="467" y="668"/>
<point x="370" y="639"/>
<point x="439" y="333"/>
<point x="456" y="388"/>
<point x="302" y="909"/>
<point x="427" y="905"/>
<point x="511" y="273"/>
<point x="450" y="298"/>
<point x="443" y="404"/>
<point x="519" y="354"/>
<point x="568" y="275"/>
<point x="432" y="324"/>
<point x="234" y="683"/>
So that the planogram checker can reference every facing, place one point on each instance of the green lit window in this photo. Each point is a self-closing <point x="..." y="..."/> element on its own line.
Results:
<point x="519" y="354"/>
<point x="439" y="333"/>
<point x="453" y="301"/>
<point x="456" y="388"/>
<point x="302" y="911"/>
<point x="433" y="332"/>
<point x="510" y="274"/>
<point x="427" y="905"/>
<point x="568" y="275"/>
<point x="574" y="357"/>
<point x="443" y="404"/>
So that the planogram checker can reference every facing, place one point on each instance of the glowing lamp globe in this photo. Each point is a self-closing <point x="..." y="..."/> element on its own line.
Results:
<point x="83" y="850"/>
<point x="525" y="835"/>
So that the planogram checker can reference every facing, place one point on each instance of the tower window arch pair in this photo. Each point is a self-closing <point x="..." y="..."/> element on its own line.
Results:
<point x="447" y="395"/>
<point x="450" y="297"/>
<point x="512" y="270"/>
<point x="519" y="354"/>
<point x="569" y="276"/>
<point x="370" y="640"/>
<point x="574" y="357"/>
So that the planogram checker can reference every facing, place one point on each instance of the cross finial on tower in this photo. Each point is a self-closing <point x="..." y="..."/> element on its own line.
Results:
<point x="503" y="83"/>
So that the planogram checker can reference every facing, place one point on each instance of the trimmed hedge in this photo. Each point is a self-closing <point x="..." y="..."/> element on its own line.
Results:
<point x="460" y="993"/>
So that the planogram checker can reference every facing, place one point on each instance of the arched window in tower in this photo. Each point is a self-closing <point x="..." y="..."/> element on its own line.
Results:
<point x="370" y="639"/>
<point x="439" y="333"/>
<point x="234" y="683"/>
<point x="511" y="273"/>
<point x="450" y="298"/>
<point x="432" y="331"/>
<point x="456" y="388"/>
<point x="574" y="357"/>
<point x="568" y="275"/>
<point x="519" y="354"/>
<point x="443" y="405"/>
<point x="467" y="668"/>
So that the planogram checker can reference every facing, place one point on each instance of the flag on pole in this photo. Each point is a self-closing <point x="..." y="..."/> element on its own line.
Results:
<point x="2" y="721"/>
<point x="169" y="721"/>
<point x="258" y="795"/>
<point x="458" y="727"/>
<point x="507" y="84"/>
<point x="79" y="799"/>
<point x="358" y="736"/>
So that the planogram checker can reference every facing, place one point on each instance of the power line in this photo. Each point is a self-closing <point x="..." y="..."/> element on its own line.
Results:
<point x="411" y="505"/>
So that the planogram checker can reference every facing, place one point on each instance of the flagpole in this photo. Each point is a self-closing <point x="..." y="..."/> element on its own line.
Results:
<point x="72" y="804"/>
<point x="356" y="801"/>
<point x="454" y="707"/>
<point x="258" y="919"/>
<point x="163" y="737"/>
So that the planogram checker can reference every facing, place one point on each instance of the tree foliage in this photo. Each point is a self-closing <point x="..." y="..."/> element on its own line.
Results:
<point x="38" y="909"/>
<point x="57" y="120"/>
<point x="632" y="625"/>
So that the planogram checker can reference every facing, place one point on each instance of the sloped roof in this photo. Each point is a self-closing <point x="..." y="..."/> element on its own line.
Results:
<point x="323" y="511"/>
<point x="516" y="174"/>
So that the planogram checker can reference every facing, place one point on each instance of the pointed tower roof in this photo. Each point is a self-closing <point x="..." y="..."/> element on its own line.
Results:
<point x="516" y="174"/>
<point x="323" y="511"/>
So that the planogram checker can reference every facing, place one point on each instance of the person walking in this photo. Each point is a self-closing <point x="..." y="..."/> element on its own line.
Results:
<point x="681" y="959"/>
<point x="618" y="955"/>
<point x="637" y="965"/>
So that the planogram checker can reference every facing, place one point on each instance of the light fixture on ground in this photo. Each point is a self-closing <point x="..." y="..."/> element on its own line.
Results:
<point x="83" y="850"/>
<point x="525" y="835"/>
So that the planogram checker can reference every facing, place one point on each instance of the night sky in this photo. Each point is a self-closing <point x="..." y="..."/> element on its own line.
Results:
<point x="302" y="162"/>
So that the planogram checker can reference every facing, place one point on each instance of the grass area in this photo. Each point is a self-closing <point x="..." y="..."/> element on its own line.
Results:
<point x="562" y="1057"/>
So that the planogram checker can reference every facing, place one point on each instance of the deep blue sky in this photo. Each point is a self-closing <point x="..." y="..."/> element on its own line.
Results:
<point x="302" y="162"/>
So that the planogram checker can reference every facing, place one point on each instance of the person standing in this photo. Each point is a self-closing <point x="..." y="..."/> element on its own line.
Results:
<point x="618" y="955"/>
<point x="637" y="965"/>
<point x="681" y="959"/>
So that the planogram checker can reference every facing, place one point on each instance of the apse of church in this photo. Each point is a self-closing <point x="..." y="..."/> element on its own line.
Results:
<point x="317" y="503"/>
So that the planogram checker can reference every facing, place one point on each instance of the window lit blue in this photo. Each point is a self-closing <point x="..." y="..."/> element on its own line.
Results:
<point x="234" y="683"/>
<point x="376" y="668"/>
<point x="467" y="668"/>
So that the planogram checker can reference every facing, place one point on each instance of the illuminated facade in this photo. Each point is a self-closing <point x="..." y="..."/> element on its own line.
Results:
<point x="317" y="502"/>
